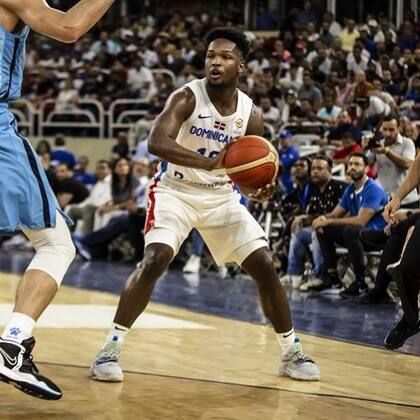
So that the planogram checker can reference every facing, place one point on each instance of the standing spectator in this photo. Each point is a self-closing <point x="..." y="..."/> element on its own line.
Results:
<point x="100" y="194"/>
<point x="288" y="154"/>
<point x="359" y="208"/>
<point x="394" y="157"/>
<point x="61" y="154"/>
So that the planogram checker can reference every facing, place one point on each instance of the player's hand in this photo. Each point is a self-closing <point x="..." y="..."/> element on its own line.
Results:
<point x="391" y="209"/>
<point x="263" y="194"/>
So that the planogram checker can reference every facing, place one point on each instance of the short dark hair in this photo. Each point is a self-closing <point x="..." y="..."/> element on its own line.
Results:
<point x="325" y="158"/>
<point x="390" y="117"/>
<point x="66" y="164"/>
<point x="104" y="161"/>
<point x="360" y="155"/>
<point x="348" y="135"/>
<point x="237" y="37"/>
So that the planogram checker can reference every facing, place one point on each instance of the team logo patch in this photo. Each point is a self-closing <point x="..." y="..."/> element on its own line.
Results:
<point x="219" y="125"/>
<point x="239" y="122"/>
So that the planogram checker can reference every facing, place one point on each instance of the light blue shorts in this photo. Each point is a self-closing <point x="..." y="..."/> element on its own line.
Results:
<point x="26" y="198"/>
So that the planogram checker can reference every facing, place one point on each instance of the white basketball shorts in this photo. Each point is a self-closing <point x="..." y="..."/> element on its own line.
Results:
<point x="227" y="227"/>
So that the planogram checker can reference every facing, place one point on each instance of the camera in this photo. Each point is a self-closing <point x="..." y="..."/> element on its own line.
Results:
<point x="375" y="141"/>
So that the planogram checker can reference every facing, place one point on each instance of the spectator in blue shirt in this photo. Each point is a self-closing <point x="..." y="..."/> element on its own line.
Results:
<point x="61" y="154"/>
<point x="81" y="174"/>
<point x="288" y="154"/>
<point x="359" y="208"/>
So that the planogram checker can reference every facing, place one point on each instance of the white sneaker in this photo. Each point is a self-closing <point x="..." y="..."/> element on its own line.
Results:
<point x="192" y="265"/>
<point x="106" y="365"/>
<point x="223" y="271"/>
<point x="298" y="366"/>
<point x="313" y="282"/>
<point x="295" y="281"/>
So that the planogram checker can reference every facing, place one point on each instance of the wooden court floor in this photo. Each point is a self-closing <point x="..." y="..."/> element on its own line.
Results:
<point x="183" y="365"/>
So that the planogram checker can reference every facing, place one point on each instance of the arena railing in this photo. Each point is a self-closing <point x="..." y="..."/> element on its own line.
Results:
<point x="122" y="119"/>
<point x="25" y="114"/>
<point x="95" y="118"/>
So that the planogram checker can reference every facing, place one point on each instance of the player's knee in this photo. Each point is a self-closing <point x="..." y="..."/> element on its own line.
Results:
<point x="54" y="256"/>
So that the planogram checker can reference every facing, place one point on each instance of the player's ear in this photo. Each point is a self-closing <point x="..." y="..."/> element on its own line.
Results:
<point x="242" y="66"/>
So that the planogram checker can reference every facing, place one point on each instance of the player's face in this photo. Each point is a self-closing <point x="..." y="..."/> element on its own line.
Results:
<point x="223" y="62"/>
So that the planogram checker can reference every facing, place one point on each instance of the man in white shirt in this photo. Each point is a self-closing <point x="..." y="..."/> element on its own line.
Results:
<point x="140" y="79"/>
<point x="270" y="113"/>
<point x="100" y="194"/>
<point x="371" y="111"/>
<point x="356" y="61"/>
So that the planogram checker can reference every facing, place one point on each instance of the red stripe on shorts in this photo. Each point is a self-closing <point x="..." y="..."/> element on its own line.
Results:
<point x="150" y="219"/>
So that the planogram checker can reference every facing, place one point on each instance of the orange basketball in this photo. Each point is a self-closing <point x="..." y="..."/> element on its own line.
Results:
<point x="251" y="162"/>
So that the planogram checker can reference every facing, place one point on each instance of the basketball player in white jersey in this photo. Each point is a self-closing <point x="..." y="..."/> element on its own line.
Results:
<point x="27" y="202"/>
<point x="190" y="136"/>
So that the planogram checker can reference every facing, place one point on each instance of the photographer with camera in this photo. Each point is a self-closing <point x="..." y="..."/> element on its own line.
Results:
<point x="394" y="155"/>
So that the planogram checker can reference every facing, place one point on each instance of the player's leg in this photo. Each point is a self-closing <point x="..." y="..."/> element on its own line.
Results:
<point x="166" y="230"/>
<point x="294" y="363"/>
<point x="54" y="251"/>
<point x="133" y="301"/>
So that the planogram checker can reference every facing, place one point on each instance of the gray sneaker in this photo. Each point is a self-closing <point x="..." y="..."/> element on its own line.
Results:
<point x="106" y="365"/>
<point x="298" y="366"/>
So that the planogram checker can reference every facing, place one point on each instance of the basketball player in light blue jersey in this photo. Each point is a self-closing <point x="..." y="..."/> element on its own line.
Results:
<point x="27" y="202"/>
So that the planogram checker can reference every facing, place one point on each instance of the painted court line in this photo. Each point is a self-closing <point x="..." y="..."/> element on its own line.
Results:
<point x="99" y="316"/>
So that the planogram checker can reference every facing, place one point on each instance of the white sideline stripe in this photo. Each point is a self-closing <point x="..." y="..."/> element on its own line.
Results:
<point x="98" y="316"/>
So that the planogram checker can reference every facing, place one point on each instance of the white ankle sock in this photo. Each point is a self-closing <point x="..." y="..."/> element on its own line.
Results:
<point x="286" y="340"/>
<point x="19" y="327"/>
<point x="117" y="332"/>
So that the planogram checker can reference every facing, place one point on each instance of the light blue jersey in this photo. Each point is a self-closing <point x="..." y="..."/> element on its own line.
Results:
<point x="26" y="198"/>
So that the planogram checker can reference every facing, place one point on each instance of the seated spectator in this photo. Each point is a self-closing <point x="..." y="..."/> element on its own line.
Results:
<point x="412" y="99"/>
<point x="68" y="97"/>
<point x="293" y="77"/>
<point x="349" y="35"/>
<point x="123" y="189"/>
<point x="288" y="154"/>
<point x="43" y="146"/>
<point x="95" y="245"/>
<point x="410" y="130"/>
<point x="344" y="125"/>
<point x="325" y="195"/>
<point x="270" y="113"/>
<point x="356" y="61"/>
<point x="80" y="171"/>
<point x="61" y="154"/>
<point x="362" y="87"/>
<point x="310" y="91"/>
<point x="291" y="110"/>
<point x="329" y="112"/>
<point x="359" y="208"/>
<point x="392" y="250"/>
<point x="100" y="194"/>
<point x="140" y="80"/>
<point x="69" y="191"/>
<point x="121" y="149"/>
<point x="297" y="199"/>
<point x="371" y="111"/>
<point x="394" y="156"/>
<point x="378" y="91"/>
<point x="349" y="146"/>
<point x="45" y="158"/>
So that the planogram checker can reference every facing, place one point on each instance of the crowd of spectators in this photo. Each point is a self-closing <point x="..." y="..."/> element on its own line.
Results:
<point x="357" y="83"/>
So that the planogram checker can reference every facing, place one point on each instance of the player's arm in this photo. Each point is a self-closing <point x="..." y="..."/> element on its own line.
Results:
<point x="178" y="108"/>
<point x="255" y="123"/>
<point x="64" y="26"/>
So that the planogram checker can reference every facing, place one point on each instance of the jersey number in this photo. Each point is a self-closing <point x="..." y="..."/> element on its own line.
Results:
<point x="203" y="152"/>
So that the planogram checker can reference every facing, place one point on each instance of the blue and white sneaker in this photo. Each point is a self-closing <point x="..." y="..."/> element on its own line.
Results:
<point x="106" y="365"/>
<point x="298" y="366"/>
<point x="18" y="369"/>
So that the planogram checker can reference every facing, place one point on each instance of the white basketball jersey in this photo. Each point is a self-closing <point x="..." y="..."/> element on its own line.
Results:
<point x="207" y="132"/>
